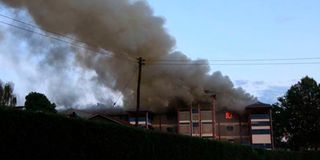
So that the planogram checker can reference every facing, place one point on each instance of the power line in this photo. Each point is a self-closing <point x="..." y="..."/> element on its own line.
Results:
<point x="56" y="34"/>
<point x="42" y="34"/>
<point x="34" y="26"/>
<point x="125" y="86"/>
<point x="57" y="39"/>
<point x="231" y="64"/>
<point x="164" y="62"/>
<point x="61" y="40"/>
<point x="241" y="60"/>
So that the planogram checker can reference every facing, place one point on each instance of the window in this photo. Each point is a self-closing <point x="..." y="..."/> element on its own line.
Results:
<point x="231" y="140"/>
<point x="261" y="131"/>
<point x="194" y="110"/>
<point x="259" y="116"/>
<point x="260" y="123"/>
<point x="229" y="128"/>
<point x="195" y="128"/>
<point x="140" y="119"/>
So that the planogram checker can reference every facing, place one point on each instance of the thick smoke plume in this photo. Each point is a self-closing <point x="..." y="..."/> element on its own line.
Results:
<point x="119" y="31"/>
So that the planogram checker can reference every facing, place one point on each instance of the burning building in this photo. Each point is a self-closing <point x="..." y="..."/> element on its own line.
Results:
<point x="251" y="127"/>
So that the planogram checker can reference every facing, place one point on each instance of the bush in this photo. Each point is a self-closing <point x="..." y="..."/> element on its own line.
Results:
<point x="26" y="135"/>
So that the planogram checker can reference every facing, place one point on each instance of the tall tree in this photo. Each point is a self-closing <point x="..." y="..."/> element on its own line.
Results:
<point x="38" y="102"/>
<point x="7" y="98"/>
<point x="297" y="115"/>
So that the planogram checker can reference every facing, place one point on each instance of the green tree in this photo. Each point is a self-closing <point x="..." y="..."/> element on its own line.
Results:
<point x="297" y="116"/>
<point x="38" y="102"/>
<point x="7" y="98"/>
<point x="280" y="133"/>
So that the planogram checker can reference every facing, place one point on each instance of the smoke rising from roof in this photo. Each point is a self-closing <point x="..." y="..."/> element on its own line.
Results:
<point x="117" y="32"/>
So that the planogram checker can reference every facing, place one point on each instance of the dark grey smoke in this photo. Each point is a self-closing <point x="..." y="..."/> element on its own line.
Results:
<point x="118" y="31"/>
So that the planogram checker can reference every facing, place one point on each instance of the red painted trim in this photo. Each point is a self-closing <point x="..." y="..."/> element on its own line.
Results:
<point x="240" y="129"/>
<point x="178" y="115"/>
<point x="200" y="124"/>
<point x="249" y="128"/>
<point x="147" y="115"/>
<point x="271" y="129"/>
<point x="160" y="122"/>
<point x="219" y="131"/>
<point x="191" y="124"/>
<point x="213" y="117"/>
<point x="212" y="123"/>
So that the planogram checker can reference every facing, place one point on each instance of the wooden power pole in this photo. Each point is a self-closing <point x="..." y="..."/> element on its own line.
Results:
<point x="140" y="63"/>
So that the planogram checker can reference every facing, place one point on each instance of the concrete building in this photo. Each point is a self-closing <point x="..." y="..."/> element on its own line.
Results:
<point x="260" y="122"/>
<point x="251" y="126"/>
<point x="144" y="119"/>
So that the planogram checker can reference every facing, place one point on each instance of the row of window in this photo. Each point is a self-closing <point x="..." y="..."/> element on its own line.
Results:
<point x="195" y="111"/>
<point x="196" y="122"/>
<point x="228" y="128"/>
<point x="259" y="116"/>
<point x="231" y="128"/>
<point x="131" y="119"/>
<point x="261" y="131"/>
<point x="266" y="123"/>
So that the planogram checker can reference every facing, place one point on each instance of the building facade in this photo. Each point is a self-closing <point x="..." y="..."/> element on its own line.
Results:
<point x="252" y="126"/>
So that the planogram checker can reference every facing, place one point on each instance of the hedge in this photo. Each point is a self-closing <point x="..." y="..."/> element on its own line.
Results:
<point x="26" y="135"/>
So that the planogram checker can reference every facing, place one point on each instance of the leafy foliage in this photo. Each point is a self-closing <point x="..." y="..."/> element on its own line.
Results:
<point x="297" y="116"/>
<point x="38" y="102"/>
<point x="7" y="98"/>
<point x="279" y="131"/>
<point x="29" y="135"/>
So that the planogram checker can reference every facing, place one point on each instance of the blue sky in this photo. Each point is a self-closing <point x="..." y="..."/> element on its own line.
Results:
<point x="238" y="29"/>
<point x="250" y="29"/>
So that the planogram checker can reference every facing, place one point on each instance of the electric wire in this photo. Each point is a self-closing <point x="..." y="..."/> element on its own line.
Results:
<point x="169" y="62"/>
<point x="58" y="39"/>
<point x="55" y="33"/>
<point x="231" y="64"/>
<point x="56" y="36"/>
<point x="36" y="27"/>
<point x="242" y="60"/>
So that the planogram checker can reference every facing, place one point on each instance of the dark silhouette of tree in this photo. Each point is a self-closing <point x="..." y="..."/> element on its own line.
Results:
<point x="297" y="116"/>
<point x="7" y="98"/>
<point x="279" y="130"/>
<point x="38" y="102"/>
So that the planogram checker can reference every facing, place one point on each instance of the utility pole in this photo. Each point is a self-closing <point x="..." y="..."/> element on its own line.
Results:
<point x="140" y="63"/>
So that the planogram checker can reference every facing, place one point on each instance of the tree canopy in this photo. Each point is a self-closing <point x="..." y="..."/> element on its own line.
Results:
<point x="297" y="116"/>
<point x="38" y="102"/>
<point x="7" y="98"/>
